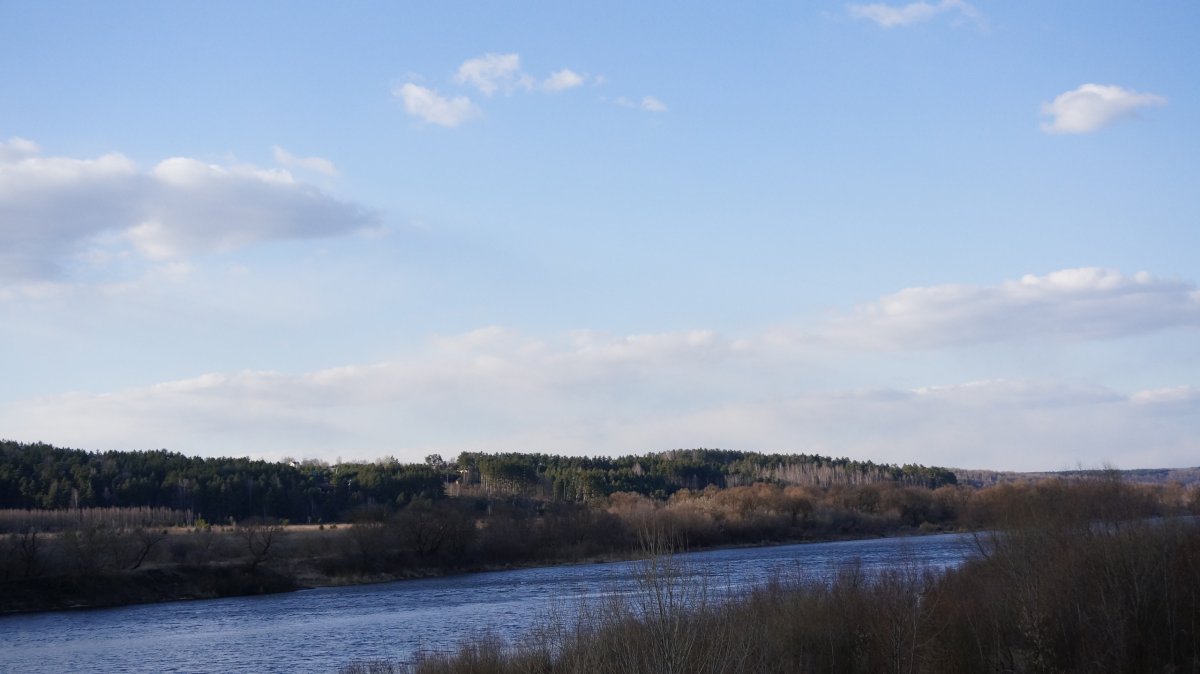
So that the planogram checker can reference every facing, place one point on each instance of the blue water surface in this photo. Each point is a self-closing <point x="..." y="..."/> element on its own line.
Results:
<point x="322" y="629"/>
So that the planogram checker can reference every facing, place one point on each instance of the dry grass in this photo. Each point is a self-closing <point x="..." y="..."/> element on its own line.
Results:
<point x="1079" y="585"/>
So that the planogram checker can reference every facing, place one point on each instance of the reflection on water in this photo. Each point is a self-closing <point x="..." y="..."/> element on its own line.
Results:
<point x="320" y="630"/>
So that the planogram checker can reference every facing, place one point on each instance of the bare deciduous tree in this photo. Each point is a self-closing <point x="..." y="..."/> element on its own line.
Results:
<point x="260" y="537"/>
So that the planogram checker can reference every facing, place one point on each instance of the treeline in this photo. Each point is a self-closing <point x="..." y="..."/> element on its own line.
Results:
<point x="46" y="521"/>
<point x="40" y="476"/>
<point x="1074" y="580"/>
<point x="659" y="475"/>
<point x="1185" y="477"/>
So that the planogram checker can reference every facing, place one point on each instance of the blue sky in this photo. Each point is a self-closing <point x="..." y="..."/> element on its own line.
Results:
<point x="944" y="232"/>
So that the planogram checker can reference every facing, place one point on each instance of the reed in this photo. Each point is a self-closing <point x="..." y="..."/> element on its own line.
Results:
<point x="1077" y="583"/>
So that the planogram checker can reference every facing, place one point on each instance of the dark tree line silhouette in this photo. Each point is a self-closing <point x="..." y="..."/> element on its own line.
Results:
<point x="40" y="476"/>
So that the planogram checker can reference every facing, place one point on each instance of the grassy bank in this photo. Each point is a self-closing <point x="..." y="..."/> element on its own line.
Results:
<point x="105" y="557"/>
<point x="1077" y="587"/>
<point x="304" y="557"/>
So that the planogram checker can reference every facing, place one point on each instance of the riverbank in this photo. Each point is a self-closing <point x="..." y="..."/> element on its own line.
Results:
<point x="192" y="582"/>
<point x="137" y="587"/>
<point x="103" y="565"/>
<point x="1085" y="595"/>
<point x="612" y="558"/>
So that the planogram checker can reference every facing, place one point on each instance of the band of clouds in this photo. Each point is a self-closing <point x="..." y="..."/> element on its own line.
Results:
<point x="1072" y="304"/>
<point x="1091" y="107"/>
<point x="489" y="75"/>
<point x="574" y="403"/>
<point x="891" y="16"/>
<point x="588" y="391"/>
<point x="53" y="209"/>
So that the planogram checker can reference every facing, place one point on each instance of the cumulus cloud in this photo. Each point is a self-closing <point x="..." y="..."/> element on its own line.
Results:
<point x="890" y="16"/>
<point x="49" y="205"/>
<point x="652" y="104"/>
<point x="647" y="104"/>
<point x="562" y="80"/>
<point x="489" y="74"/>
<point x="53" y="208"/>
<point x="434" y="108"/>
<point x="17" y="148"/>
<point x="1072" y="304"/>
<point x="502" y="72"/>
<point x="494" y="72"/>
<point x="318" y="164"/>
<point x="1094" y="106"/>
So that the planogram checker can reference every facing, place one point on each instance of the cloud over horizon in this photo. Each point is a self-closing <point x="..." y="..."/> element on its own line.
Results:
<point x="566" y="402"/>
<point x="587" y="391"/>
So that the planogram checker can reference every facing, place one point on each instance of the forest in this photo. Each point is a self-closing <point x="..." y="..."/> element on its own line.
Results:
<point x="40" y="476"/>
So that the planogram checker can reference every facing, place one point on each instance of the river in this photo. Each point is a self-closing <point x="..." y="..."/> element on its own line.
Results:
<point x="322" y="629"/>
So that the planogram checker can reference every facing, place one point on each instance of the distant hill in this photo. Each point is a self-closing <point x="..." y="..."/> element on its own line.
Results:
<point x="985" y="478"/>
<point x="660" y="474"/>
<point x="42" y="476"/>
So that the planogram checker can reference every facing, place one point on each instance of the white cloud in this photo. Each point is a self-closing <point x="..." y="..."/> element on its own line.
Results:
<point x="318" y="164"/>
<point x="54" y="209"/>
<point x="1072" y="304"/>
<point x="1094" y="106"/>
<point x="1170" y="396"/>
<point x="489" y="74"/>
<point x="49" y="205"/>
<point x="17" y="148"/>
<point x="890" y="16"/>
<point x="647" y="104"/>
<point x="562" y="80"/>
<point x="494" y="72"/>
<point x="499" y="379"/>
<point x="602" y="394"/>
<point x="434" y="108"/>
<point x="1015" y="425"/>
<point x="593" y="392"/>
<point x="652" y="104"/>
